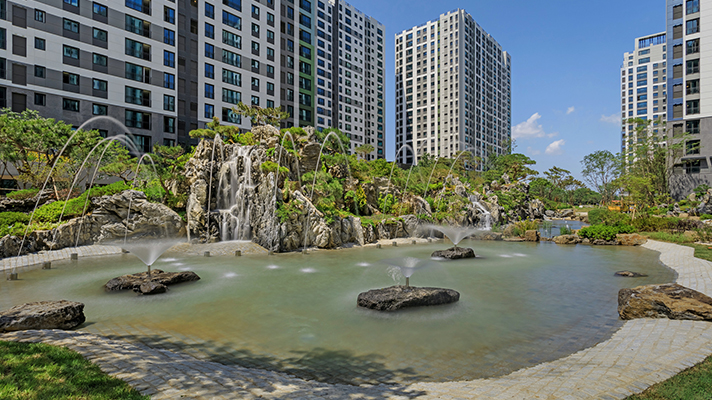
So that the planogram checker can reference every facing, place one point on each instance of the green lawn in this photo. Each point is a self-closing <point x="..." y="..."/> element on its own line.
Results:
<point x="36" y="371"/>
<point x="691" y="384"/>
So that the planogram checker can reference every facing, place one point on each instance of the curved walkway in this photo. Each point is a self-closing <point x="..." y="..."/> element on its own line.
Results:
<point x="640" y="354"/>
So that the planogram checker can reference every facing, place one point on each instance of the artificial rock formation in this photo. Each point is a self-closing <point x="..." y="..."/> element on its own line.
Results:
<point x="398" y="297"/>
<point x="454" y="253"/>
<point x="60" y="314"/>
<point x="532" y="236"/>
<point x="567" y="239"/>
<point x="142" y="283"/>
<point x="670" y="300"/>
<point x="633" y="239"/>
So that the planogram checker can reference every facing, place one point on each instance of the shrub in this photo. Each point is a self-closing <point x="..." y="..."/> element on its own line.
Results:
<point x="23" y="194"/>
<point x="12" y="218"/>
<point x="682" y="225"/>
<point x="564" y="230"/>
<point x="706" y="216"/>
<point x="386" y="203"/>
<point x="598" y="232"/>
<point x="246" y="139"/>
<point x="521" y="227"/>
<point x="286" y="210"/>
<point x="650" y="224"/>
<point x="603" y="216"/>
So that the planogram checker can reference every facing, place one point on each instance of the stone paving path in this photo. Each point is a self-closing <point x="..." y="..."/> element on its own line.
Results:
<point x="641" y="353"/>
<point x="55" y="255"/>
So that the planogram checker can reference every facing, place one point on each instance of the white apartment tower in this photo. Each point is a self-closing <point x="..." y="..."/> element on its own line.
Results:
<point x="164" y="68"/>
<point x="643" y="88"/>
<point x="453" y="90"/>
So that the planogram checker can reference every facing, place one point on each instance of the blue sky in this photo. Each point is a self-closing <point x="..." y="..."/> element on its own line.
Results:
<point x="566" y="58"/>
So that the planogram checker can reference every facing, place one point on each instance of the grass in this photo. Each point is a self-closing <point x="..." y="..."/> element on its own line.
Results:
<point x="34" y="371"/>
<point x="679" y="238"/>
<point x="691" y="384"/>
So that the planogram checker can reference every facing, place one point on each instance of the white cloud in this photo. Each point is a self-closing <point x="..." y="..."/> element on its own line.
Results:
<point x="533" y="152"/>
<point x="555" y="147"/>
<point x="611" y="119"/>
<point x="528" y="128"/>
<point x="570" y="110"/>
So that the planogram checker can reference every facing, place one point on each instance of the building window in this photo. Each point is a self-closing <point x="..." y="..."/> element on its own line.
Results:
<point x="169" y="81"/>
<point x="70" y="105"/>
<point x="71" y="52"/>
<point x="169" y="37"/>
<point x="255" y="101"/>
<point x="169" y="103"/>
<point x="693" y="26"/>
<point x="99" y="34"/>
<point x="693" y="167"/>
<point x="236" y="4"/>
<point x="231" y="77"/>
<point x="693" y="107"/>
<point x="99" y="109"/>
<point x="169" y="15"/>
<point x="209" y="31"/>
<point x="137" y="96"/>
<point x="209" y="10"/>
<point x="232" y="20"/>
<point x="693" y="46"/>
<point x="169" y="142"/>
<point x="231" y="39"/>
<point x="305" y="52"/>
<point x="231" y="96"/>
<point x="693" y="67"/>
<point x="169" y="59"/>
<point x="209" y="111"/>
<point x="693" y="127"/>
<point x="40" y="44"/>
<point x="98" y="84"/>
<point x="692" y="147"/>
<point x="70" y="78"/>
<point x="692" y="6"/>
<point x="138" y="49"/>
<point x="100" y="9"/>
<point x="40" y="99"/>
<point x="209" y="50"/>
<point x="693" y="86"/>
<point x="99" y="59"/>
<point x="231" y="58"/>
<point x="209" y="71"/>
<point x="72" y="26"/>
<point x="228" y="115"/>
<point x="74" y="3"/>
<point x="209" y="91"/>
<point x="256" y="30"/>
<point x="40" y="72"/>
<point x="169" y="124"/>
<point x="40" y="16"/>
<point x="136" y="119"/>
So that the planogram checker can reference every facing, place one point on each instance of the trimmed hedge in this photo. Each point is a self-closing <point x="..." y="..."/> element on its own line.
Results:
<point x="604" y="232"/>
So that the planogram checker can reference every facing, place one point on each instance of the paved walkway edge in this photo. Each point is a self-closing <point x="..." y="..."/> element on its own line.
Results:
<point x="10" y="263"/>
<point x="641" y="353"/>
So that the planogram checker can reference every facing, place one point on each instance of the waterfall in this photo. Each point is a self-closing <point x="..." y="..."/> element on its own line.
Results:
<point x="233" y="196"/>
<point x="487" y="223"/>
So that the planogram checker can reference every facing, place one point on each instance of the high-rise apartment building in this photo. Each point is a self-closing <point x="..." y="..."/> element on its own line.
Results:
<point x="643" y="89"/>
<point x="689" y="35"/>
<point x="453" y="90"/>
<point x="164" y="68"/>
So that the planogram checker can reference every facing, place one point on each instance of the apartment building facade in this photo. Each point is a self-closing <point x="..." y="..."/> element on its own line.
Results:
<point x="643" y="90"/>
<point x="453" y="90"/>
<point x="689" y="32"/>
<point x="164" y="68"/>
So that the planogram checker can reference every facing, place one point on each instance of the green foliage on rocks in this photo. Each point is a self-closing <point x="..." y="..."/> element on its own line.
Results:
<point x="23" y="194"/>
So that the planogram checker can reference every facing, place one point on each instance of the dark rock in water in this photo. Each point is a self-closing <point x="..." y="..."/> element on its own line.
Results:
<point x="670" y="300"/>
<point x="454" y="253"/>
<point x="629" y="274"/>
<point x="60" y="314"/>
<point x="151" y="287"/>
<point x="135" y="281"/>
<point x="397" y="297"/>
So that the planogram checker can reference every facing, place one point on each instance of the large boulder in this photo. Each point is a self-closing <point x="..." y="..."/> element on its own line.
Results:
<point x="632" y="239"/>
<point x="134" y="281"/>
<point x="629" y="274"/>
<point x="532" y="236"/>
<point x="567" y="239"/>
<point x="670" y="300"/>
<point x="488" y="235"/>
<point x="454" y="253"/>
<point x="398" y="297"/>
<point x="60" y="314"/>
